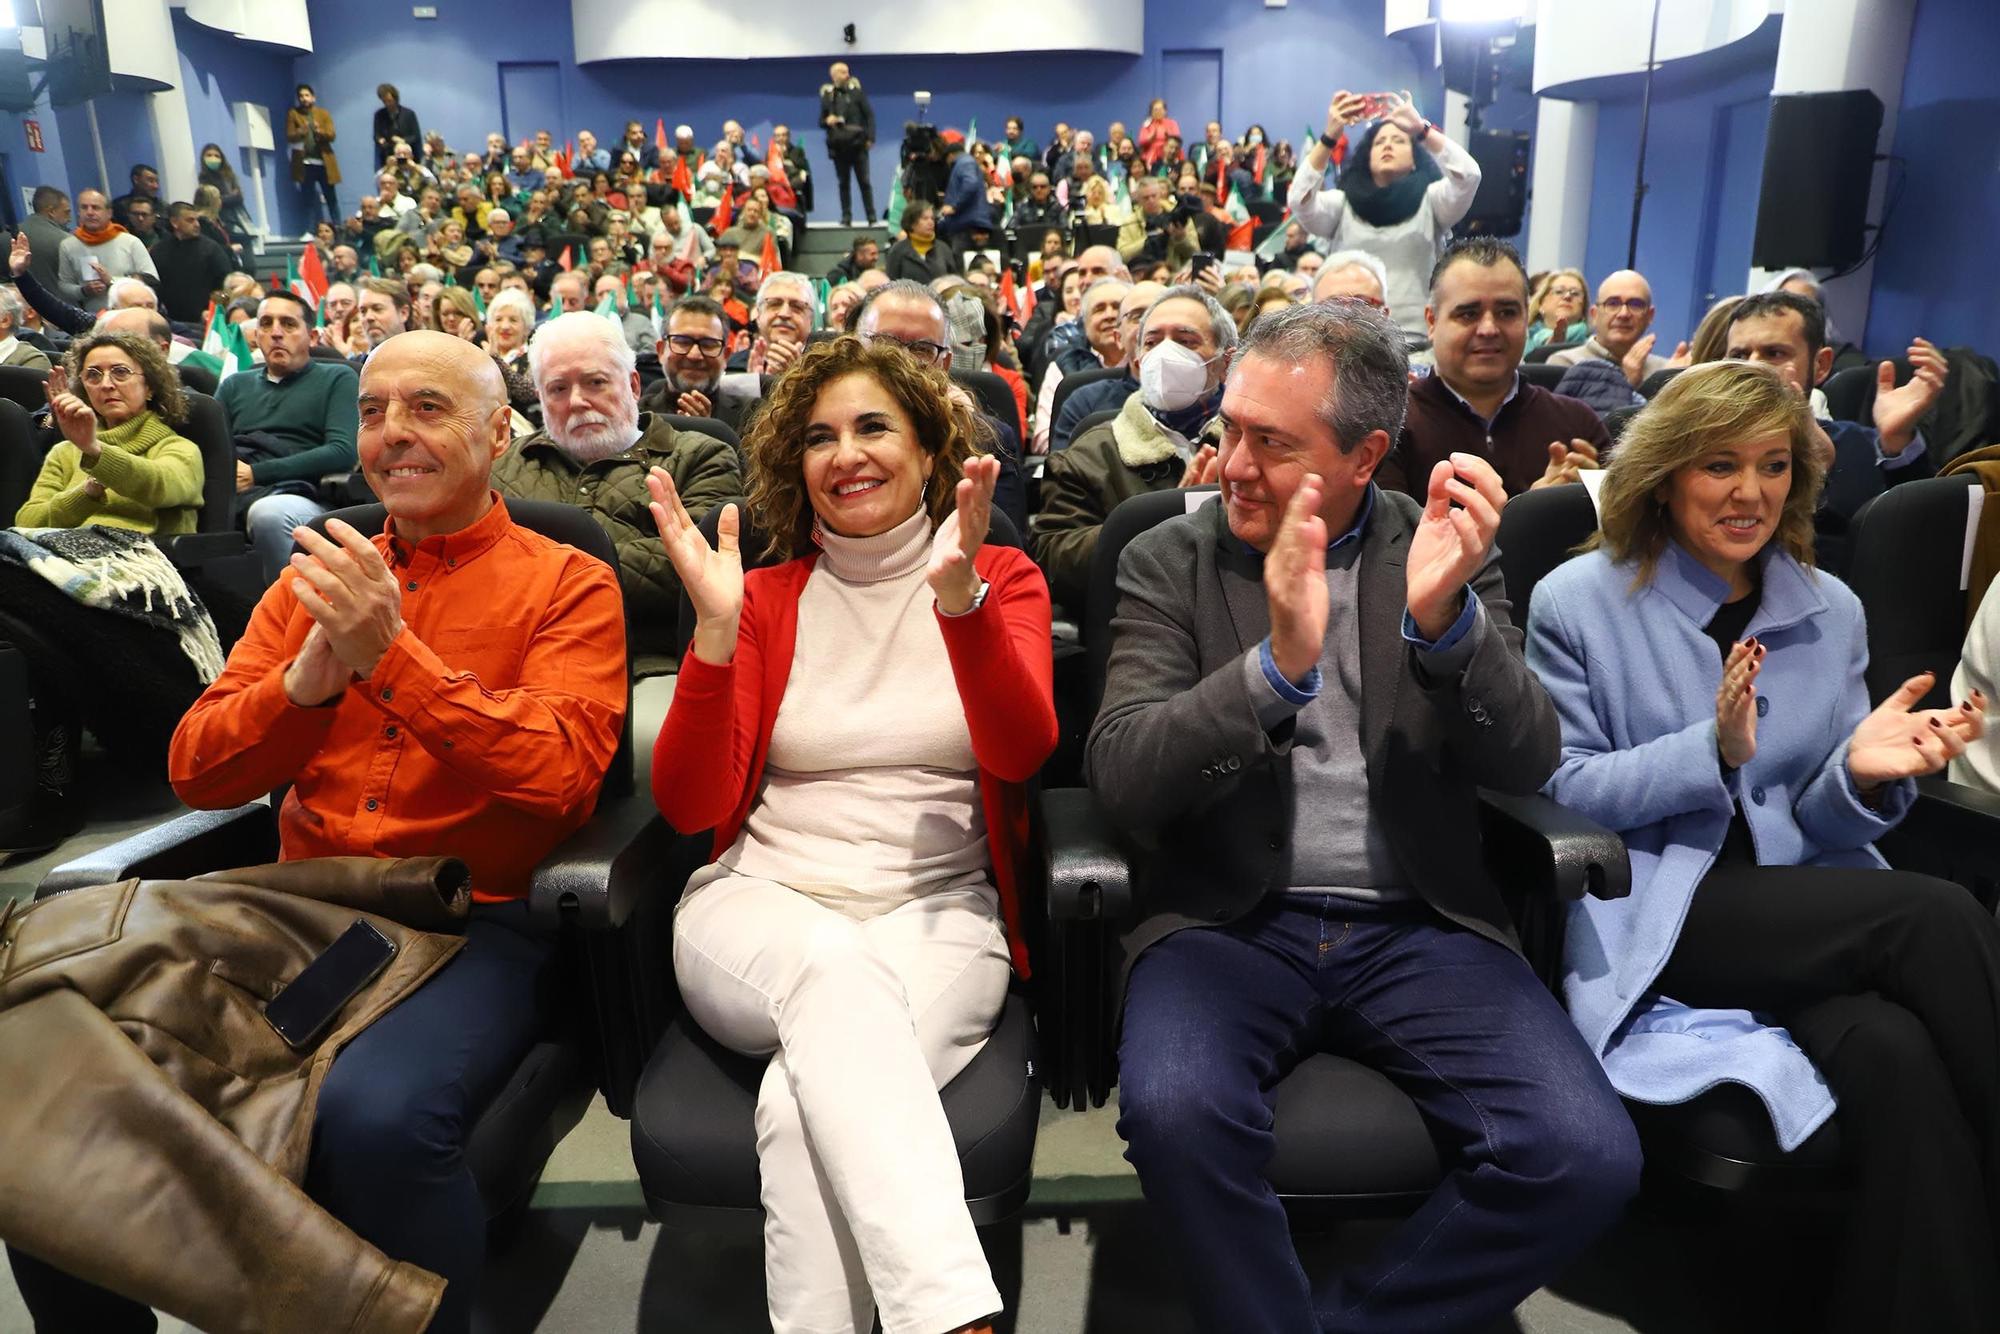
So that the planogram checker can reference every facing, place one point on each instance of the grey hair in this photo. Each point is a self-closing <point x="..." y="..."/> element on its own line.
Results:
<point x="514" y="299"/>
<point x="12" y="306"/>
<point x="909" y="290"/>
<point x="803" y="283"/>
<point x="585" y="325"/>
<point x="111" y="297"/>
<point x="1220" y="320"/>
<point x="1356" y="259"/>
<point x="426" y="273"/>
<point x="1084" y="300"/>
<point x="1364" y="349"/>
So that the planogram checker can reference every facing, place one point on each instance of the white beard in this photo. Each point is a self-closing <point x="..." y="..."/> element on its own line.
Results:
<point x="598" y="438"/>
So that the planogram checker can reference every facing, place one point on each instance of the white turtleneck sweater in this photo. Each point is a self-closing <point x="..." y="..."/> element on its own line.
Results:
<point x="870" y="794"/>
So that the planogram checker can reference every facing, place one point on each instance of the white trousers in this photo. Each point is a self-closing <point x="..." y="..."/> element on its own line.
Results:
<point x="864" y="1020"/>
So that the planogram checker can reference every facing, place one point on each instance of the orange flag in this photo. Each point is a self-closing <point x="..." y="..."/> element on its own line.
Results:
<point x="567" y="262"/>
<point x="683" y="180"/>
<point x="660" y="136"/>
<point x="768" y="257"/>
<point x="723" y="211"/>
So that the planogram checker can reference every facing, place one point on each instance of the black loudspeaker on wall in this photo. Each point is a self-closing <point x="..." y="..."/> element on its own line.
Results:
<point x="1819" y="157"/>
<point x="1503" y="184"/>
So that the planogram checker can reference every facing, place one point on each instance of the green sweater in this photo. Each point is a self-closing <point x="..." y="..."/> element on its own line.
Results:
<point x="151" y="477"/>
<point x="310" y="419"/>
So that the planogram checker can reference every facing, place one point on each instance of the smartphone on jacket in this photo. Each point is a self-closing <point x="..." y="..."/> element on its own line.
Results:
<point x="309" y="1002"/>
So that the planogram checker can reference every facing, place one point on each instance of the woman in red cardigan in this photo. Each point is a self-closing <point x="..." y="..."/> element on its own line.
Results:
<point x="857" y="725"/>
<point x="1154" y="132"/>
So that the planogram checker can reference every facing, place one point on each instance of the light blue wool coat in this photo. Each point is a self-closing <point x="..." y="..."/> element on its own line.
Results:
<point x="1634" y="676"/>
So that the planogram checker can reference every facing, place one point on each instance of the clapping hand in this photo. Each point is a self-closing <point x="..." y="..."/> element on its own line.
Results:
<point x="1898" y="410"/>
<point x="694" y="403"/>
<point x="1452" y="540"/>
<point x="348" y="589"/>
<point x="316" y="675"/>
<point x="73" y="417"/>
<point x="1634" y="361"/>
<point x="20" y="255"/>
<point x="1895" y="742"/>
<point x="953" y="579"/>
<point x="1295" y="582"/>
<point x="711" y="576"/>
<point x="1566" y="462"/>
<point x="1736" y="703"/>
<point x="1202" y="468"/>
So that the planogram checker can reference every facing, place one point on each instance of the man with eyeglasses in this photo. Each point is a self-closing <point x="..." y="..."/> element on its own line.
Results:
<point x="783" y="316"/>
<point x="595" y="450"/>
<point x="1618" y="324"/>
<point x="691" y="353"/>
<point x="1108" y="395"/>
<point x="910" y="315"/>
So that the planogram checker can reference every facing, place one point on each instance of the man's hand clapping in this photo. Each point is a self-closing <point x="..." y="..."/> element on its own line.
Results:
<point x="348" y="589"/>
<point x="1295" y="583"/>
<point x="1461" y="517"/>
<point x="1566" y="462"/>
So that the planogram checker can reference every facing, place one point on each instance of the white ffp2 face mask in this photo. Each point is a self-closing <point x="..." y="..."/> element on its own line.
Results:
<point x="1171" y="377"/>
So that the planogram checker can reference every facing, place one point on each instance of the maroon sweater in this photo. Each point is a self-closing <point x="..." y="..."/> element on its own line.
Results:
<point x="1517" y="445"/>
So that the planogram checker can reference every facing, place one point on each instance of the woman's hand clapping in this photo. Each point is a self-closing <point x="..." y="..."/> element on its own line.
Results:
<point x="953" y="579"/>
<point x="713" y="577"/>
<point x="1895" y="742"/>
<point x="1736" y="704"/>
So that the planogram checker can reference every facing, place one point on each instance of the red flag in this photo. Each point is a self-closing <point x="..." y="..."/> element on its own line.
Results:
<point x="768" y="257"/>
<point x="1243" y="234"/>
<point x="683" y="181"/>
<point x="1010" y="300"/>
<point x="567" y="261"/>
<point x="312" y="276"/>
<point x="720" y="222"/>
<point x="782" y="193"/>
<point x="660" y="136"/>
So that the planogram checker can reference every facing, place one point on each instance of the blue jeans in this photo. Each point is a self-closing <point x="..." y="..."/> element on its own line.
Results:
<point x="394" y="1114"/>
<point x="269" y="522"/>
<point x="1539" y="1154"/>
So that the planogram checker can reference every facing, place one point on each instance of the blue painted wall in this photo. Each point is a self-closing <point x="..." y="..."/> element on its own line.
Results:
<point x="217" y="70"/>
<point x="1280" y="67"/>
<point x="1937" y="273"/>
<point x="1701" y="150"/>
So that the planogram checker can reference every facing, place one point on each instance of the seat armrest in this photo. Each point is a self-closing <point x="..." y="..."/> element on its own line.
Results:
<point x="1971" y="808"/>
<point x="189" y="551"/>
<point x="596" y="875"/>
<point x="185" y="846"/>
<point x="1088" y="872"/>
<point x="1951" y="831"/>
<point x="1551" y="849"/>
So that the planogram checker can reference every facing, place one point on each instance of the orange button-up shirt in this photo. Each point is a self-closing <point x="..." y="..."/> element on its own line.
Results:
<point x="483" y="733"/>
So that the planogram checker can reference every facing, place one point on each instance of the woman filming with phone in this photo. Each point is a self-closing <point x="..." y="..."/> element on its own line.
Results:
<point x="1401" y="190"/>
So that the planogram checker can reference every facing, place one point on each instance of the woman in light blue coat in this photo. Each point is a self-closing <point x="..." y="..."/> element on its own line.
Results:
<point x="1709" y="683"/>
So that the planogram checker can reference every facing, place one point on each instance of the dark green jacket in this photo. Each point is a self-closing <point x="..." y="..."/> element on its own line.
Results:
<point x="1130" y="455"/>
<point x="706" y="473"/>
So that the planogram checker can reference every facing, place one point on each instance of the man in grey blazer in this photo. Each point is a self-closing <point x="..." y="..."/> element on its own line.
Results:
<point x="1307" y="682"/>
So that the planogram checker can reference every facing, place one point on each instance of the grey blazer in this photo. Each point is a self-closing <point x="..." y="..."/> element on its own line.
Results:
<point x="1177" y="759"/>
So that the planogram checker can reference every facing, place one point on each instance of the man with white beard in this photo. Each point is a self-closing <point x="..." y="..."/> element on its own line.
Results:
<point x="595" y="450"/>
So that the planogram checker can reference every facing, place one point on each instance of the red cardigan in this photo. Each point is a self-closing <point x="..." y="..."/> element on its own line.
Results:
<point x="1001" y="657"/>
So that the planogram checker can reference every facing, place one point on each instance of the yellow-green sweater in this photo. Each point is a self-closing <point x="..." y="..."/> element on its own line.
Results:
<point x="151" y="478"/>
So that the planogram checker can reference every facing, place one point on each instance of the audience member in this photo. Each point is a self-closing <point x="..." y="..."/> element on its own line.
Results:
<point x="145" y="184"/>
<point x="1788" y="333"/>
<point x="1354" y="275"/>
<point x="637" y="328"/>
<point x="864" y="254"/>
<point x="1801" y="282"/>
<point x="965" y="216"/>
<point x="1402" y="189"/>
<point x="1475" y="402"/>
<point x="14" y="350"/>
<point x="1556" y="309"/>
<point x="315" y="171"/>
<point x="122" y="463"/>
<point x="382" y="305"/>
<point x="1110" y="393"/>
<point x="294" y="421"/>
<point x="595" y="449"/>
<point x="849" y="119"/>
<point x="191" y="266"/>
<point x="1748" y="911"/>
<point x="1711" y="340"/>
<point x="1618" y="323"/>
<point x="692" y="352"/>
<point x="784" y="315"/>
<point x="919" y="256"/>
<point x="569" y="292"/>
<point x="1041" y="212"/>
<point x="1161" y="437"/>
<point x="921" y="659"/>
<point x="97" y="253"/>
<point x="846" y="299"/>
<point x="47" y="227"/>
<point x="1310" y="826"/>
<point x="142" y="221"/>
<point x="393" y="121"/>
<point x="1978" y="676"/>
<point x="510" y="320"/>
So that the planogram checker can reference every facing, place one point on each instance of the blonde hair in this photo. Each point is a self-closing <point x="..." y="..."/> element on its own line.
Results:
<point x="1548" y="281"/>
<point x="1704" y="408"/>
<point x="1711" y="337"/>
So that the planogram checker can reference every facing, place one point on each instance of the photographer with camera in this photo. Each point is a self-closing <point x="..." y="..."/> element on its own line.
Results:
<point x="850" y="132"/>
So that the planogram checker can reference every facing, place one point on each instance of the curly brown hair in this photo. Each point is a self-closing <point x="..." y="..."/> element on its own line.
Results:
<point x="777" y="502"/>
<point x="1703" y="409"/>
<point x="163" y="382"/>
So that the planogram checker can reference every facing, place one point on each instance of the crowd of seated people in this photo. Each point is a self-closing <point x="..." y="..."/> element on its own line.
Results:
<point x="1294" y="669"/>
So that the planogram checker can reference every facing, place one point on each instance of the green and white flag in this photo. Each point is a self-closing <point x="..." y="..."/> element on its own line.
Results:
<point x="225" y="345"/>
<point x="608" y="308"/>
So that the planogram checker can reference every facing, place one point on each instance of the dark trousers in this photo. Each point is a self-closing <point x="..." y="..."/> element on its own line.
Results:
<point x="1890" y="981"/>
<point x="1539" y="1154"/>
<point x="853" y="162"/>
<point x="315" y="189"/>
<point x="394" y="1114"/>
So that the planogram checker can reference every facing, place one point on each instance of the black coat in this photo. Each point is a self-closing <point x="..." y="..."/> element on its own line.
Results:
<point x="191" y="272"/>
<point x="390" y="125"/>
<point x="858" y="116"/>
<point x="904" y="262"/>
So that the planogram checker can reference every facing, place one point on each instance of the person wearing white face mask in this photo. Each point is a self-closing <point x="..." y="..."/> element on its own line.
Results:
<point x="1157" y="440"/>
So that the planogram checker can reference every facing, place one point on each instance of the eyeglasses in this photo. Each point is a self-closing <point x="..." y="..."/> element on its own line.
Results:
<point x="116" y="374"/>
<point x="922" y="347"/>
<point x="1636" y="304"/>
<point x="1572" y="293"/>
<point x="686" y="343"/>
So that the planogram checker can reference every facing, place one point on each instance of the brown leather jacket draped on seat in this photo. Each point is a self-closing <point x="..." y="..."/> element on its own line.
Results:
<point x="157" y="1127"/>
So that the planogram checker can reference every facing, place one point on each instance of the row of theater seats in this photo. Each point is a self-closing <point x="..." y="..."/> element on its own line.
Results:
<point x="1348" y="1143"/>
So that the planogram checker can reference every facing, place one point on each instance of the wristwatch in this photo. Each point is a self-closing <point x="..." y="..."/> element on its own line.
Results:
<point x="1424" y="133"/>
<point x="1332" y="141"/>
